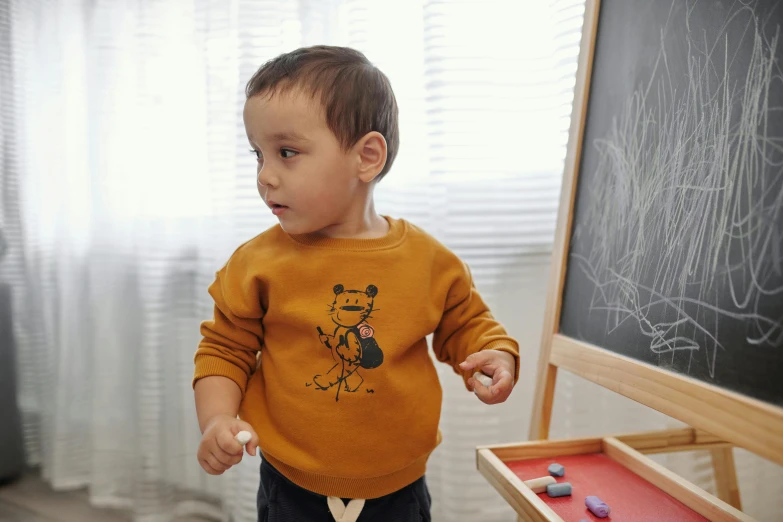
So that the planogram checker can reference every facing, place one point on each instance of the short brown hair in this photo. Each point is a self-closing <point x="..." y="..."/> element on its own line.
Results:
<point x="356" y="96"/>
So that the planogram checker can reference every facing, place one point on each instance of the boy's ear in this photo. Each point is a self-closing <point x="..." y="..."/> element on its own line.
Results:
<point x="371" y="149"/>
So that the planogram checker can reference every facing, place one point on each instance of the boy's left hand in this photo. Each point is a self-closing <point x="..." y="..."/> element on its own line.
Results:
<point x="496" y="364"/>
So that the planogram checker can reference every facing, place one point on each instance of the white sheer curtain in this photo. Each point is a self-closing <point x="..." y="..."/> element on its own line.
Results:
<point x="126" y="183"/>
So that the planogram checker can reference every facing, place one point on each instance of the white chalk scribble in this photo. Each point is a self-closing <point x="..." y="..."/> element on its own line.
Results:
<point x="684" y="222"/>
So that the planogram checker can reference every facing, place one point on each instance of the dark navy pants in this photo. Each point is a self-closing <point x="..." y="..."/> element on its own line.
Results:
<point x="280" y="500"/>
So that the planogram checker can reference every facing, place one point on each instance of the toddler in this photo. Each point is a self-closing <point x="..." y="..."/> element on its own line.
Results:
<point x="318" y="342"/>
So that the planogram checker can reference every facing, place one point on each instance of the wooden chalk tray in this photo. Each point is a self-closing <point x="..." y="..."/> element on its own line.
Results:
<point x="612" y="468"/>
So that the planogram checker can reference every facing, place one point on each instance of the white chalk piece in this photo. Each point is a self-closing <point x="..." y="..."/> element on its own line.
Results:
<point x="243" y="437"/>
<point x="486" y="380"/>
<point x="539" y="485"/>
<point x="559" y="490"/>
<point x="556" y="470"/>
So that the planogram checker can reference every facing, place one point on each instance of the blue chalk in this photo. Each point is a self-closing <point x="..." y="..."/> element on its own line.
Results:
<point x="559" y="490"/>
<point x="556" y="470"/>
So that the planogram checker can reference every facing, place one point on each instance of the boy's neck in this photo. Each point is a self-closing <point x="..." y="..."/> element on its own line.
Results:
<point x="365" y="224"/>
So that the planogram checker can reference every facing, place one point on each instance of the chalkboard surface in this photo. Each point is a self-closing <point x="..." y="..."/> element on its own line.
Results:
<point x="676" y="254"/>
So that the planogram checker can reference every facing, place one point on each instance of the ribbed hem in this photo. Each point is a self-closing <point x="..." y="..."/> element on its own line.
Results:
<point x="397" y="231"/>
<point x="209" y="365"/>
<point x="366" y="488"/>
<point x="505" y="346"/>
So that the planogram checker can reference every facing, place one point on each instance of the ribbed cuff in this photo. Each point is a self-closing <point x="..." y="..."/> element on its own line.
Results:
<point x="505" y="346"/>
<point x="210" y="365"/>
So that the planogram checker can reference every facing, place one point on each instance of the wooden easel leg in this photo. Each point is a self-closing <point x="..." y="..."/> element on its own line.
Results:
<point x="544" y="397"/>
<point x="726" y="476"/>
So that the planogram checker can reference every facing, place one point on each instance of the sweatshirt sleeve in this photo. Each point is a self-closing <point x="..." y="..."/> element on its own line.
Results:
<point x="467" y="327"/>
<point x="233" y="338"/>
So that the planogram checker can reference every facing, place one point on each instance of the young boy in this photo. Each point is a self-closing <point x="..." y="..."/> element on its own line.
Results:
<point x="318" y="337"/>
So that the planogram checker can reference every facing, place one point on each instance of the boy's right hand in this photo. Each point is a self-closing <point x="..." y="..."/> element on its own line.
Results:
<point x="218" y="450"/>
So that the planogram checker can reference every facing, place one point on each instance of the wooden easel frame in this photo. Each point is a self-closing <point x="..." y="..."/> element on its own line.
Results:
<point x="627" y="450"/>
<point x="730" y="417"/>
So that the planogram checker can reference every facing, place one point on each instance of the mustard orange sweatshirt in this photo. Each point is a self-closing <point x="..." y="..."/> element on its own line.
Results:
<point x="326" y="339"/>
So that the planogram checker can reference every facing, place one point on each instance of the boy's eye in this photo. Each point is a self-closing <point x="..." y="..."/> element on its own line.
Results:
<point x="288" y="153"/>
<point x="256" y="153"/>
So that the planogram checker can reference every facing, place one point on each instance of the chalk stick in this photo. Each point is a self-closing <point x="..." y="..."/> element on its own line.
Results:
<point x="597" y="507"/>
<point x="539" y="485"/>
<point x="559" y="490"/>
<point x="243" y="437"/>
<point x="486" y="380"/>
<point x="556" y="470"/>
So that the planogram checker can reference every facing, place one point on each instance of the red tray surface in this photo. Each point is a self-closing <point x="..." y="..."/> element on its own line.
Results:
<point x="631" y="498"/>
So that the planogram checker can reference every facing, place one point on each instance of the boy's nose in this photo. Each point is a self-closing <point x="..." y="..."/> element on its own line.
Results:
<point x="266" y="178"/>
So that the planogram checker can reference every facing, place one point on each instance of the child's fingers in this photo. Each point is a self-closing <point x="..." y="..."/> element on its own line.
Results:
<point x="485" y="361"/>
<point x="218" y="467"/>
<point x="501" y="387"/>
<point x="474" y="360"/>
<point x="208" y="468"/>
<point x="500" y="394"/>
<point x="498" y="391"/>
<point x="228" y="459"/>
<point x="502" y="381"/>
<point x="253" y="444"/>
<point x="482" y="392"/>
<point x="250" y="445"/>
<point x="226" y="442"/>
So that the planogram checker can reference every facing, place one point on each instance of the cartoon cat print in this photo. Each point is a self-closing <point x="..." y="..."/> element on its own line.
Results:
<point x="351" y="342"/>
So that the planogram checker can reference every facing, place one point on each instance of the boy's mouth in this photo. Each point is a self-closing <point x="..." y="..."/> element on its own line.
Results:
<point x="277" y="208"/>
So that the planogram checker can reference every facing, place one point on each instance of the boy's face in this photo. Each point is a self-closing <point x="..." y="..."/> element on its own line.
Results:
<point x="303" y="174"/>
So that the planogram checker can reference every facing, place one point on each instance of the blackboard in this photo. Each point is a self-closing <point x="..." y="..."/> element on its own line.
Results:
<point x="676" y="251"/>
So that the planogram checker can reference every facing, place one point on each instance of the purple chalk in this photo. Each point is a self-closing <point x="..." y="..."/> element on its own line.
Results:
<point x="597" y="507"/>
